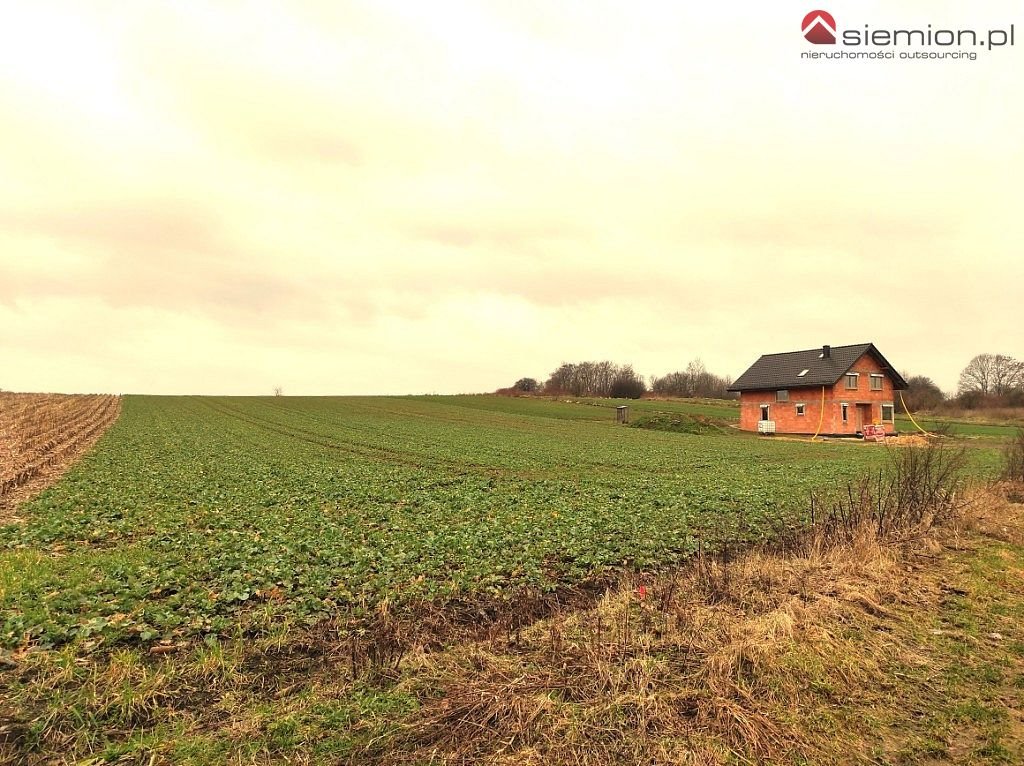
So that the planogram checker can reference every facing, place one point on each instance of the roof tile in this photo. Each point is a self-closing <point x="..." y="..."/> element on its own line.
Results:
<point x="776" y="371"/>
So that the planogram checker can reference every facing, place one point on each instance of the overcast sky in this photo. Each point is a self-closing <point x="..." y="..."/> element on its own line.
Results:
<point x="412" y="197"/>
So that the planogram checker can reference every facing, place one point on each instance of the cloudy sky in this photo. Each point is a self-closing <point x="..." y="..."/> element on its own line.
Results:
<point x="412" y="197"/>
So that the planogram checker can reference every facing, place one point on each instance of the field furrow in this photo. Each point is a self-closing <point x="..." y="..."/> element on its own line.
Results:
<point x="43" y="434"/>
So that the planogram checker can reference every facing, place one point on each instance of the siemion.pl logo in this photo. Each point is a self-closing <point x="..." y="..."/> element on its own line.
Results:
<point x="819" y="28"/>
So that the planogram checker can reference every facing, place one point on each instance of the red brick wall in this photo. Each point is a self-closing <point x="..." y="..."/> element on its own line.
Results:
<point x="784" y="413"/>
<point x="788" y="422"/>
<point x="862" y="395"/>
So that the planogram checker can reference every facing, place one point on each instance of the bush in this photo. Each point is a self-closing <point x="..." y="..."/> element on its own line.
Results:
<point x="526" y="386"/>
<point x="627" y="385"/>
<point x="1013" y="458"/>
<point x="921" y="485"/>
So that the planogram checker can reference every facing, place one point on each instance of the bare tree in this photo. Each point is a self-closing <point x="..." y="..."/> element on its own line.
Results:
<point x="992" y="374"/>
<point x="696" y="380"/>
<point x="278" y="391"/>
<point x="592" y="379"/>
<point x="1007" y="374"/>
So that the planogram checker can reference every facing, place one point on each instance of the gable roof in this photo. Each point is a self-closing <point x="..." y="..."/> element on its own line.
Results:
<point x="775" y="371"/>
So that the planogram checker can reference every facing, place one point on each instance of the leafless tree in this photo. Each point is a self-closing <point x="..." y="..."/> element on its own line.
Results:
<point x="591" y="379"/>
<point x="1007" y="375"/>
<point x="992" y="374"/>
<point x="278" y="391"/>
<point x="694" y="381"/>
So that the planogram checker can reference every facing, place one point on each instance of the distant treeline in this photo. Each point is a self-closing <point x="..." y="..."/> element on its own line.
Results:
<point x="695" y="380"/>
<point x="988" y="381"/>
<point x="621" y="381"/>
<point x="596" y="379"/>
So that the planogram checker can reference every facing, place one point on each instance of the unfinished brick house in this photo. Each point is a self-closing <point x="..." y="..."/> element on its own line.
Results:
<point x="832" y="391"/>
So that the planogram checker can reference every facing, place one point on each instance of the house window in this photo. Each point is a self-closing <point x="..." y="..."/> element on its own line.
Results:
<point x="851" y="381"/>
<point x="876" y="382"/>
<point x="846" y="412"/>
<point x="782" y="396"/>
<point x="888" y="413"/>
<point x="801" y="409"/>
<point x="764" y="412"/>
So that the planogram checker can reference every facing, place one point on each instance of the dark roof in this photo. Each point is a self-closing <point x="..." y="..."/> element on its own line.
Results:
<point x="775" y="371"/>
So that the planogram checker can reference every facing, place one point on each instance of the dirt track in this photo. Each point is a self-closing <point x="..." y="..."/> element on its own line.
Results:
<point x="42" y="435"/>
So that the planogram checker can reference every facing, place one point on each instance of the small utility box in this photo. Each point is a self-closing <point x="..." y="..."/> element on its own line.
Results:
<point x="622" y="414"/>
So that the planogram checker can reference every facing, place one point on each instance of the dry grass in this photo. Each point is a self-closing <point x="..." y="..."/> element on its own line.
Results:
<point x="706" y="665"/>
<point x="41" y="435"/>
<point x="994" y="415"/>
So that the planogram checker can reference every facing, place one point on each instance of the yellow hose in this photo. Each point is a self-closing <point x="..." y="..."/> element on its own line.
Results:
<point x="907" y="410"/>
<point x="821" y="415"/>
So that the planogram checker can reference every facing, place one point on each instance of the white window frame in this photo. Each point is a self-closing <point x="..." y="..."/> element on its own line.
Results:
<point x="766" y="410"/>
<point x="881" y="381"/>
<point x="801" y="409"/>
<point x="782" y="395"/>
<point x="892" y="410"/>
<point x="844" y="408"/>
<point x="856" y="381"/>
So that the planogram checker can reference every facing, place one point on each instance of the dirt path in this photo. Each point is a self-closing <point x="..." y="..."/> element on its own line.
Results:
<point x="42" y="435"/>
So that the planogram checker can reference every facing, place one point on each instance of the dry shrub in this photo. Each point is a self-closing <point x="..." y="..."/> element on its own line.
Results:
<point x="1013" y="458"/>
<point x="920" y="485"/>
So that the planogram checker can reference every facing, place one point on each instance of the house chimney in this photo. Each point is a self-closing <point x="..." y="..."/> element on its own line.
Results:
<point x="826" y="352"/>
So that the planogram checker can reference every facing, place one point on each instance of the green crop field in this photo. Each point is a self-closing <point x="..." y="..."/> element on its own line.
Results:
<point x="194" y="515"/>
<point x="207" y="585"/>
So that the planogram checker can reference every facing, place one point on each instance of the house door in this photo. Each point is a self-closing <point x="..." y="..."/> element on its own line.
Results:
<point x="863" y="416"/>
<point x="764" y="412"/>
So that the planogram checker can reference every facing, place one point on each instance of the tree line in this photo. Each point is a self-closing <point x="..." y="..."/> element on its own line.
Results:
<point x="621" y="381"/>
<point x="992" y="380"/>
<point x="988" y="380"/>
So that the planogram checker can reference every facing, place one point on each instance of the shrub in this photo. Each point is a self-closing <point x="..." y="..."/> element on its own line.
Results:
<point x="920" y="486"/>
<point x="526" y="386"/>
<point x="627" y="385"/>
<point x="1013" y="457"/>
